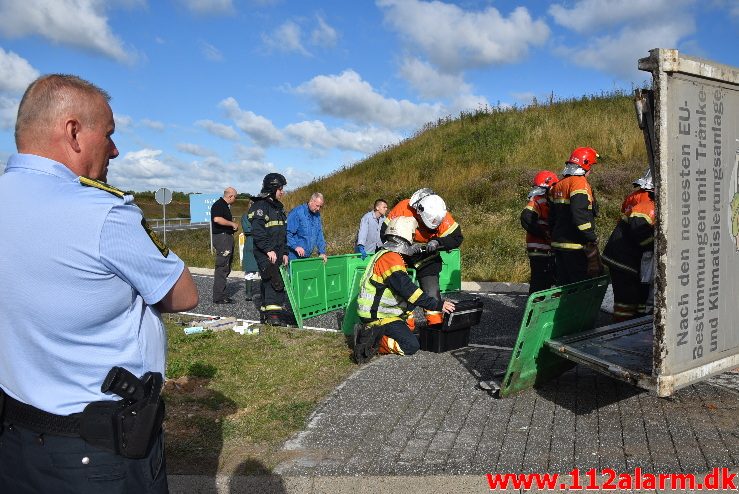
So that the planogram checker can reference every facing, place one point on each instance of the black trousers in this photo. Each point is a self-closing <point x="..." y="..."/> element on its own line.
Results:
<point x="629" y="294"/>
<point x="399" y="331"/>
<point x="542" y="272"/>
<point x="223" y="243"/>
<point x="572" y="266"/>
<point x="272" y="287"/>
<point x="32" y="463"/>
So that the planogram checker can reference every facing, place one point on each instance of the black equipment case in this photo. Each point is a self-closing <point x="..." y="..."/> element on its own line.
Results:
<point x="455" y="331"/>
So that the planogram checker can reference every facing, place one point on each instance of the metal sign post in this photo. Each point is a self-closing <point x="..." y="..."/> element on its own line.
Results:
<point x="163" y="196"/>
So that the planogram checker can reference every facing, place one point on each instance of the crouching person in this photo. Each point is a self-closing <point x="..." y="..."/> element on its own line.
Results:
<point x="388" y="296"/>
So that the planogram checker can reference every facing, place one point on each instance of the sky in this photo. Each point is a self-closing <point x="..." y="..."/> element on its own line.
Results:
<point x="210" y="93"/>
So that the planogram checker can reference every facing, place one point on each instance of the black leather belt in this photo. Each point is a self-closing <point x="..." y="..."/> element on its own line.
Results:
<point x="30" y="417"/>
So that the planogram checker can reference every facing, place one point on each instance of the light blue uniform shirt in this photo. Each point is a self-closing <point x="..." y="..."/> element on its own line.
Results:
<point x="78" y="278"/>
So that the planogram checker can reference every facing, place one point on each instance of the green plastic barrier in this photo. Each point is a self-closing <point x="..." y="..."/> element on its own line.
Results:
<point x="450" y="280"/>
<point x="314" y="287"/>
<point x="551" y="313"/>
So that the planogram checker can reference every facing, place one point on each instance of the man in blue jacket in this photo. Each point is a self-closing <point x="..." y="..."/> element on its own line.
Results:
<point x="305" y="230"/>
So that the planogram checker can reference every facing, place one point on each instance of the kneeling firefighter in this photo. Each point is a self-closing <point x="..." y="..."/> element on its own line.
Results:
<point x="388" y="296"/>
<point x="269" y="231"/>
<point x="438" y="231"/>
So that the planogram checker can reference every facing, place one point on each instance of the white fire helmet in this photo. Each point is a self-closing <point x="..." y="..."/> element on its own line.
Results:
<point x="399" y="234"/>
<point x="418" y="195"/>
<point x="645" y="181"/>
<point x="432" y="210"/>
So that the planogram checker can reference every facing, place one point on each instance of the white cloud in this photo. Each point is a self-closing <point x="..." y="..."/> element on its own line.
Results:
<point x="218" y="129"/>
<point x="153" y="124"/>
<point x="258" y="128"/>
<point x="122" y="122"/>
<point x="286" y="38"/>
<point x="249" y="153"/>
<point x="454" y="39"/>
<point x="590" y="16"/>
<point x="618" y="54"/>
<point x="8" y="112"/>
<point x="15" y="72"/>
<point x="209" y="7"/>
<point x="429" y="82"/>
<point x="627" y="31"/>
<point x="194" y="149"/>
<point x="79" y="23"/>
<point x="323" y="34"/>
<point x="348" y="96"/>
<point x="210" y="52"/>
<point x="144" y="165"/>
<point x="312" y="134"/>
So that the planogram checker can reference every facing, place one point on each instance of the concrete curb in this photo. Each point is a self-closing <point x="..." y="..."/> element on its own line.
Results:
<point x="467" y="286"/>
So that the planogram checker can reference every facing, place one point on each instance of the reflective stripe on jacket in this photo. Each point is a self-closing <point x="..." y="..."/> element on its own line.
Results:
<point x="572" y="214"/>
<point x="535" y="220"/>
<point x="387" y="292"/>
<point x="634" y="233"/>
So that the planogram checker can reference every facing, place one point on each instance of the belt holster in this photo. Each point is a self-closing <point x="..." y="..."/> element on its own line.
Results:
<point x="127" y="427"/>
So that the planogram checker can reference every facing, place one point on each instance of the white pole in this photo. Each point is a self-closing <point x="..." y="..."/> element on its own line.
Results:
<point x="164" y="213"/>
<point x="210" y="228"/>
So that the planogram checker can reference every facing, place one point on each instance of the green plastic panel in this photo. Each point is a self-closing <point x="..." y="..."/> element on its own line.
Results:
<point x="291" y="295"/>
<point x="450" y="278"/>
<point x="551" y="313"/>
<point x="314" y="287"/>
<point x="350" y="313"/>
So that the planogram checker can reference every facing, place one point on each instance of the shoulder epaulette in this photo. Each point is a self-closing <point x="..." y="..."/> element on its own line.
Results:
<point x="89" y="182"/>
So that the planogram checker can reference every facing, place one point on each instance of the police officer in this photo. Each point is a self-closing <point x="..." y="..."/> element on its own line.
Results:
<point x="106" y="279"/>
<point x="269" y="231"/>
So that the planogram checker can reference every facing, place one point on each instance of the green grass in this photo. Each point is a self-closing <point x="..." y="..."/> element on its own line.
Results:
<point x="249" y="393"/>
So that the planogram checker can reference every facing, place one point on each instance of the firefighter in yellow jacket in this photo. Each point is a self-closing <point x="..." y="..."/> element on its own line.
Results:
<point x="572" y="219"/>
<point x="388" y="295"/>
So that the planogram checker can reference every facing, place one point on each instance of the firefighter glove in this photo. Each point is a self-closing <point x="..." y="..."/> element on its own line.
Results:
<point x="594" y="264"/>
<point x="432" y="246"/>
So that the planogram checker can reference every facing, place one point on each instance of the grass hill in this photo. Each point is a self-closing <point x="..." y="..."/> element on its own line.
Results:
<point x="482" y="163"/>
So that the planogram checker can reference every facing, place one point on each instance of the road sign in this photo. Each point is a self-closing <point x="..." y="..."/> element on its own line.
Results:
<point x="200" y="207"/>
<point x="163" y="196"/>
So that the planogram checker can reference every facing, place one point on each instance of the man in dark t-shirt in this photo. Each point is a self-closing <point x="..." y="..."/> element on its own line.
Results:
<point x="223" y="242"/>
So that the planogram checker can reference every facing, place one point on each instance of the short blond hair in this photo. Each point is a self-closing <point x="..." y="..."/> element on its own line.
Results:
<point x="55" y="96"/>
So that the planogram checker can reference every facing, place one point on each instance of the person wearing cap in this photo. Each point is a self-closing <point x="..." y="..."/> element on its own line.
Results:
<point x="630" y="241"/>
<point x="388" y="296"/>
<point x="437" y="231"/>
<point x="268" y="229"/>
<point x="573" y="211"/>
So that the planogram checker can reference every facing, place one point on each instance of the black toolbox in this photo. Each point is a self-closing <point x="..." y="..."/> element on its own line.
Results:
<point x="455" y="331"/>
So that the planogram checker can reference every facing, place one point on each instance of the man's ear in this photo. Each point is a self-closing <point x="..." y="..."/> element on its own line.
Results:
<point x="72" y="129"/>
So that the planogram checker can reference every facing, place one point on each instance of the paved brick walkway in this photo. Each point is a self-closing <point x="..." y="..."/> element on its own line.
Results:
<point x="424" y="415"/>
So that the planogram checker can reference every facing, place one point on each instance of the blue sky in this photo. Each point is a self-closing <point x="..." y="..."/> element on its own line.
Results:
<point x="209" y="93"/>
